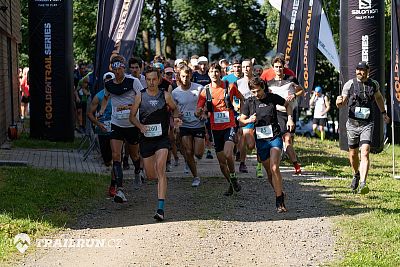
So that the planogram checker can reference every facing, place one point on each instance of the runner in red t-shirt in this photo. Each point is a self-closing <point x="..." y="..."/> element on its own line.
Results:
<point x="222" y="123"/>
<point x="269" y="74"/>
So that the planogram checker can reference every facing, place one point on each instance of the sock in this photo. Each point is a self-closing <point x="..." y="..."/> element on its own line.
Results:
<point x="323" y="136"/>
<point x="317" y="132"/>
<point x="136" y="163"/>
<point x="117" y="169"/>
<point x="232" y="175"/>
<point x="259" y="165"/>
<point x="161" y="204"/>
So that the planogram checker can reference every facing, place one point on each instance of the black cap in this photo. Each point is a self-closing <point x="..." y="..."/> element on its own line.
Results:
<point x="363" y="65"/>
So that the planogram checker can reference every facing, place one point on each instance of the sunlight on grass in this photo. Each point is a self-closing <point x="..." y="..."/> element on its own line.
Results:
<point x="369" y="228"/>
<point x="40" y="202"/>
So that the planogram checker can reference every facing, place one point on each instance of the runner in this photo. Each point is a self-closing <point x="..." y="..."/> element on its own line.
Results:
<point x="191" y="130"/>
<point x="154" y="119"/>
<point x="121" y="90"/>
<point x="287" y="87"/>
<point x="261" y="110"/>
<point x="219" y="105"/>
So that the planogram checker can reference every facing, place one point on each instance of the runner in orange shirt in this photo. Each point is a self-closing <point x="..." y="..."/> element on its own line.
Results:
<point x="216" y="100"/>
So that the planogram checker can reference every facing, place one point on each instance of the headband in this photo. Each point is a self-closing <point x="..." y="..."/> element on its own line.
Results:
<point x="117" y="65"/>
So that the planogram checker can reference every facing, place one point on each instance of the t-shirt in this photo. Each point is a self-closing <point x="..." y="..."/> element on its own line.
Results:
<point x="221" y="118"/>
<point x="186" y="101"/>
<point x="202" y="79"/>
<point x="283" y="88"/>
<point x="319" y="107"/>
<point x="122" y="97"/>
<point x="269" y="74"/>
<point x="266" y="115"/>
<point x="231" y="78"/>
<point x="243" y="86"/>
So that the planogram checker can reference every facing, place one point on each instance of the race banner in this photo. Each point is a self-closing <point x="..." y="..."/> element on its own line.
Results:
<point x="395" y="91"/>
<point x="117" y="26"/>
<point x="51" y="70"/>
<point x="362" y="38"/>
<point x="308" y="47"/>
<point x="289" y="31"/>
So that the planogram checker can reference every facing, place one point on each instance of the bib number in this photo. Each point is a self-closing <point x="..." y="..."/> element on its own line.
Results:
<point x="221" y="117"/>
<point x="264" y="132"/>
<point x="188" y="116"/>
<point x="153" y="130"/>
<point x="123" y="114"/>
<point x="362" y="113"/>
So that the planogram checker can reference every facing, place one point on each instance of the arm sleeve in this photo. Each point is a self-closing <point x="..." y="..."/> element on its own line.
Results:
<point x="137" y="86"/>
<point x="278" y="100"/>
<point x="376" y="86"/>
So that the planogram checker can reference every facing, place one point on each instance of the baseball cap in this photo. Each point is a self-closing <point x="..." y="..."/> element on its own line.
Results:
<point x="169" y="69"/>
<point x="158" y="65"/>
<point x="318" y="89"/>
<point x="178" y="61"/>
<point x="362" y="65"/>
<point x="202" y="59"/>
<point x="108" y="75"/>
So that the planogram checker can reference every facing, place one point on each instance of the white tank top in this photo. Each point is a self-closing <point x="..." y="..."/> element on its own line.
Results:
<point x="319" y="107"/>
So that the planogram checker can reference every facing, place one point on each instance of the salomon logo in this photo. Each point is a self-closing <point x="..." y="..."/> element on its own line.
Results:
<point x="365" y="4"/>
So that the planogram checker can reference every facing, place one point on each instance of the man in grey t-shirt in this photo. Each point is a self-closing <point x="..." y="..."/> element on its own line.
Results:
<point x="191" y="130"/>
<point x="358" y="95"/>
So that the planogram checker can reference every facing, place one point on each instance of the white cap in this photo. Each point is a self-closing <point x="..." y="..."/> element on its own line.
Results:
<point x="179" y="60"/>
<point x="107" y="74"/>
<point x="202" y="59"/>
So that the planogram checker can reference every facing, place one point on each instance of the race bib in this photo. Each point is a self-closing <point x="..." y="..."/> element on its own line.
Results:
<point x="362" y="113"/>
<point x="264" y="132"/>
<point x="188" y="116"/>
<point x="153" y="130"/>
<point x="221" y="117"/>
<point x="122" y="114"/>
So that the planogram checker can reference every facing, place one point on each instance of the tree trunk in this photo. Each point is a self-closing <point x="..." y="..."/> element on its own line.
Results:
<point x="146" y="45"/>
<point x="158" y="26"/>
<point x="169" y="46"/>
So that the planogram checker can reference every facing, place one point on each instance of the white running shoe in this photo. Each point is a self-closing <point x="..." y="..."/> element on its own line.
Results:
<point x="196" y="181"/>
<point x="120" y="196"/>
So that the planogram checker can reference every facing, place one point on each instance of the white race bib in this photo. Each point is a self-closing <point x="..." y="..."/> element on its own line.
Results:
<point x="122" y="114"/>
<point x="153" y="130"/>
<point x="264" y="132"/>
<point x="221" y="117"/>
<point x="188" y="116"/>
<point x="362" y="113"/>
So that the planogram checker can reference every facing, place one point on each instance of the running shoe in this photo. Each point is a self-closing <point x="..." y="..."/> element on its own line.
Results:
<point x="355" y="182"/>
<point x="363" y="189"/>
<point x="159" y="216"/>
<point x="112" y="191"/>
<point x="243" y="168"/>
<point x="209" y="155"/>
<point x="120" y="196"/>
<point x="297" y="168"/>
<point x="229" y="192"/>
<point x="280" y="203"/>
<point x="137" y="181"/>
<point x="235" y="183"/>
<point x="196" y="182"/>
<point x="259" y="171"/>
<point x="125" y="163"/>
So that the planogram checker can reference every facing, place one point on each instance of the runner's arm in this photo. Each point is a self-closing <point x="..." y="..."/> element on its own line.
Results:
<point x="381" y="105"/>
<point x="134" y="110"/>
<point x="104" y="102"/>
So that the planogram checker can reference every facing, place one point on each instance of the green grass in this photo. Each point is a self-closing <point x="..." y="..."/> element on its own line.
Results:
<point x="40" y="202"/>
<point x="369" y="229"/>
<point x="24" y="141"/>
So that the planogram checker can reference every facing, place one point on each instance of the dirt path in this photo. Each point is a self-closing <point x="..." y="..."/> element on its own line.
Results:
<point x="203" y="227"/>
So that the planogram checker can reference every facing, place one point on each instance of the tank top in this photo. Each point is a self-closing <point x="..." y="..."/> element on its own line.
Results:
<point x="320" y="107"/>
<point x="153" y="113"/>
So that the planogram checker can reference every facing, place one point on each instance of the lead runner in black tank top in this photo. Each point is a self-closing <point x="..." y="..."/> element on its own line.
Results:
<point x="153" y="105"/>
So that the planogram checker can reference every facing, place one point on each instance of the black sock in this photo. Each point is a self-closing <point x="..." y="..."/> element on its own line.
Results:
<point x="117" y="169"/>
<point x="136" y="163"/>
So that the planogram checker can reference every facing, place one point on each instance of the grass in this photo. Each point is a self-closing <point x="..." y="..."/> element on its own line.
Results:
<point x="24" y="141"/>
<point x="369" y="229"/>
<point x="41" y="202"/>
